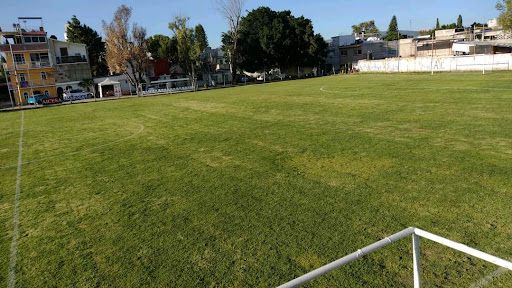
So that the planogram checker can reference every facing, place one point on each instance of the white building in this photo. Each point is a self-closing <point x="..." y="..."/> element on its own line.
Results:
<point x="493" y="23"/>
<point x="71" y="64"/>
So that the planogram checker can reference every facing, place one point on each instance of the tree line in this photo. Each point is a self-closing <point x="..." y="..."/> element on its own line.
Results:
<point x="263" y="39"/>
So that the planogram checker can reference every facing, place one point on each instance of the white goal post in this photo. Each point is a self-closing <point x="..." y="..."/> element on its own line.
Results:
<point x="416" y="234"/>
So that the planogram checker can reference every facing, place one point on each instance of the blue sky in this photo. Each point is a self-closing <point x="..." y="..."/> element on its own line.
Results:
<point x="330" y="18"/>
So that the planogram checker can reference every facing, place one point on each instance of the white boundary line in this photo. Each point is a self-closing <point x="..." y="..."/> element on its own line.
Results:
<point x="84" y="150"/>
<point x="417" y="89"/>
<point x="15" y="232"/>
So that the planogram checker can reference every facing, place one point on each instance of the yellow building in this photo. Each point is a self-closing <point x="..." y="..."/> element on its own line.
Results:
<point x="28" y="61"/>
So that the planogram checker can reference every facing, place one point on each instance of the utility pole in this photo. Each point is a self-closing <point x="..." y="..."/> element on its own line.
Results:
<point x="483" y="61"/>
<point x="432" y="56"/>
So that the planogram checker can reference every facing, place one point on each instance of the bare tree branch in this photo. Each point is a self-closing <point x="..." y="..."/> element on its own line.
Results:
<point x="126" y="52"/>
<point x="232" y="11"/>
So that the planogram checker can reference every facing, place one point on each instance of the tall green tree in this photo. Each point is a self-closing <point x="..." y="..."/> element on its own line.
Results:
<point x="77" y="32"/>
<point x="505" y="18"/>
<point x="276" y="39"/>
<point x="459" y="22"/>
<point x="190" y="45"/>
<point x="201" y="40"/>
<point x="437" y="24"/>
<point x="392" y="33"/>
<point x="163" y="47"/>
<point x="200" y="45"/>
<point x="368" y="27"/>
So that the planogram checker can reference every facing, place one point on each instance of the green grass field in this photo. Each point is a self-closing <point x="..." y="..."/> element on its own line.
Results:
<point x="254" y="186"/>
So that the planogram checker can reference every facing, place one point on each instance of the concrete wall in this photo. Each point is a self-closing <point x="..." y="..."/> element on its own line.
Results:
<point x="440" y="63"/>
<point x="72" y="72"/>
<point x="407" y="47"/>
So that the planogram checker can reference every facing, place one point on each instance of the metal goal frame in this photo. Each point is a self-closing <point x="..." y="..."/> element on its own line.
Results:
<point x="416" y="233"/>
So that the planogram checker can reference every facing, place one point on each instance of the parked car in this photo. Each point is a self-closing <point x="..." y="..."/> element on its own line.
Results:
<point x="37" y="99"/>
<point x="76" y="94"/>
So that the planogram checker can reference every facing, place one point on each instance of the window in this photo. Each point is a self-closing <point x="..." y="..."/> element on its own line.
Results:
<point x="44" y="76"/>
<point x="25" y="95"/>
<point x="19" y="58"/>
<point x="63" y="51"/>
<point x="22" y="77"/>
<point x="34" y="39"/>
<point x="343" y="52"/>
<point x="46" y="92"/>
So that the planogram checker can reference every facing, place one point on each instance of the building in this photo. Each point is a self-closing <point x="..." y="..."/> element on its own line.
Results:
<point x="459" y="41"/>
<point x="369" y="50"/>
<point x="345" y="51"/>
<point x="37" y="64"/>
<point x="28" y="62"/>
<point x="71" y="64"/>
<point x="217" y="69"/>
<point x="157" y="68"/>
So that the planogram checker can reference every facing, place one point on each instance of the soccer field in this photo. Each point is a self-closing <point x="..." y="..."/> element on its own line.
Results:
<point x="256" y="185"/>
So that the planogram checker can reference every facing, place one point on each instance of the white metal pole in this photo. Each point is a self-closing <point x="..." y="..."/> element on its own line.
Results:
<point x="416" y="260"/>
<point x="347" y="259"/>
<point x="483" y="62"/>
<point x="463" y="248"/>
<point x="432" y="60"/>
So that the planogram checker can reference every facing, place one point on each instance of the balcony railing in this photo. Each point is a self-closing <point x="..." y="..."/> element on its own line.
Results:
<point x="23" y="47"/>
<point x="32" y="64"/>
<point x="36" y="83"/>
<point x="71" y="59"/>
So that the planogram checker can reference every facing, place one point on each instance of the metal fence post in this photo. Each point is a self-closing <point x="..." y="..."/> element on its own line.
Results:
<point x="416" y="259"/>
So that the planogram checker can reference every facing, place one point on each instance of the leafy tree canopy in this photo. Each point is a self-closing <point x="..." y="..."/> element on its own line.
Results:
<point x="459" y="22"/>
<point x="505" y="18"/>
<point x="392" y="33"/>
<point x="277" y="39"/>
<point x="80" y="33"/>
<point x="163" y="47"/>
<point x="367" y="27"/>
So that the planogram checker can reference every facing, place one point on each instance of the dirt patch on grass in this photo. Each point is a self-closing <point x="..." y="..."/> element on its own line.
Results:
<point x="340" y="171"/>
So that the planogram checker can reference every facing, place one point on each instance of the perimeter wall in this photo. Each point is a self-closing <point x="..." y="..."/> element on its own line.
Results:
<point x="438" y="63"/>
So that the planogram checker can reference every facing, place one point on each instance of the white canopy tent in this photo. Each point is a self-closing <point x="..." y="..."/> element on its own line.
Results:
<point x="108" y="82"/>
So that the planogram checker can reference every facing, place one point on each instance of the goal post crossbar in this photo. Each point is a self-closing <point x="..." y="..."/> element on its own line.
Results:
<point x="416" y="234"/>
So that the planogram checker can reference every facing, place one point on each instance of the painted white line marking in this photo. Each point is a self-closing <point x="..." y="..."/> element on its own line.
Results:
<point x="489" y="278"/>
<point x="328" y="91"/>
<point x="15" y="233"/>
<point x="416" y="89"/>
<point x="84" y="150"/>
